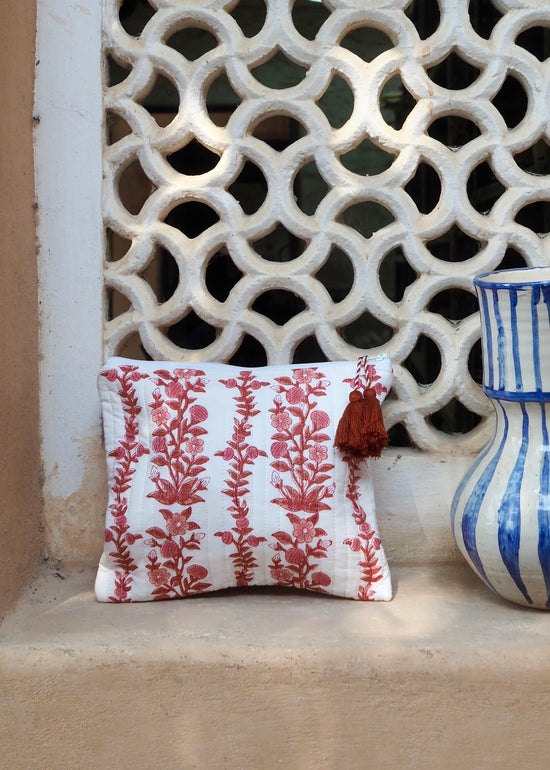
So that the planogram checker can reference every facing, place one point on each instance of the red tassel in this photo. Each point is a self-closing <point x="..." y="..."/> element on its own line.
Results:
<point x="361" y="430"/>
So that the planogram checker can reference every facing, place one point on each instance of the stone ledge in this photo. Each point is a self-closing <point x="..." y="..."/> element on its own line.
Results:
<point x="444" y="675"/>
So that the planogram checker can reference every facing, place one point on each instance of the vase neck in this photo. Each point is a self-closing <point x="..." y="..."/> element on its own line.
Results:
<point x="515" y="335"/>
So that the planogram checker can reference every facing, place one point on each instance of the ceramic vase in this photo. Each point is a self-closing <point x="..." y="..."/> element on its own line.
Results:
<point x="501" y="510"/>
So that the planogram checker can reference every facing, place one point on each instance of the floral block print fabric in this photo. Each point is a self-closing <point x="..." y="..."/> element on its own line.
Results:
<point x="221" y="476"/>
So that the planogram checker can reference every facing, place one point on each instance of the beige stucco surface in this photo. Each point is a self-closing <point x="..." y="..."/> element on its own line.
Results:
<point x="19" y="459"/>
<point x="446" y="675"/>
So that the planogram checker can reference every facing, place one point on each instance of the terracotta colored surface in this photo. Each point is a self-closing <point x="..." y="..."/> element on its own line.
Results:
<point x="19" y="459"/>
<point x="446" y="675"/>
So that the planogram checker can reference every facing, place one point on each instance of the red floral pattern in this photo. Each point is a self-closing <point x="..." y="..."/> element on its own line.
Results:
<point x="302" y="478"/>
<point x="284" y="506"/>
<point x="367" y="543"/>
<point x="240" y="456"/>
<point x="126" y="454"/>
<point x="177" y="476"/>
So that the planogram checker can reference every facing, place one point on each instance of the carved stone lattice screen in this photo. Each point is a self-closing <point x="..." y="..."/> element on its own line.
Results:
<point x="307" y="181"/>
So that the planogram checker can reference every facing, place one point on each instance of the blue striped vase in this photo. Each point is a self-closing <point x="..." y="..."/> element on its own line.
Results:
<point x="501" y="510"/>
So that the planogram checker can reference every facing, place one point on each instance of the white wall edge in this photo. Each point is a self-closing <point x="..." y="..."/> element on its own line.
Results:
<point x="68" y="136"/>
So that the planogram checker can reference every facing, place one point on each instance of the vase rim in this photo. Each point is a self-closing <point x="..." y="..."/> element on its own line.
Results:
<point x="516" y="277"/>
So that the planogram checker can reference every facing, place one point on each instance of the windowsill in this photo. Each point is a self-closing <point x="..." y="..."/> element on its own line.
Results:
<point x="445" y="667"/>
<point x="441" y="608"/>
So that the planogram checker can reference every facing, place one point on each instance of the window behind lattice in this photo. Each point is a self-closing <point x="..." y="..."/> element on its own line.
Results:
<point x="307" y="181"/>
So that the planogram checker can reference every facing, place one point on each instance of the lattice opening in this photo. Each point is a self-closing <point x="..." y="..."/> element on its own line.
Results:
<point x="250" y="18"/>
<point x="475" y="366"/>
<point x="193" y="158"/>
<point x="535" y="216"/>
<point x="250" y="188"/>
<point x="536" y="40"/>
<point x="367" y="42"/>
<point x="132" y="347"/>
<point x="398" y="436"/>
<point x="484" y="188"/>
<point x="308" y="352"/>
<point x="366" y="217"/>
<point x="337" y="275"/>
<point x="192" y="218"/>
<point x="535" y="159"/>
<point x="454" y="73"/>
<point x="134" y="16"/>
<point x="396" y="274"/>
<point x="454" y="415"/>
<point x="134" y="187"/>
<point x="117" y="245"/>
<point x="424" y="188"/>
<point x="279" y="305"/>
<point x="117" y="70"/>
<point x="221" y="98"/>
<point x="192" y="42"/>
<point x="309" y="188"/>
<point x="511" y="260"/>
<point x="454" y="304"/>
<point x="192" y="332"/>
<point x="162" y="275"/>
<point x="308" y="17"/>
<point x="511" y="101"/>
<point x="279" y="245"/>
<point x="453" y="130"/>
<point x="279" y="72"/>
<point x="425" y="15"/>
<point x="396" y="102"/>
<point x="117" y="303"/>
<point x="249" y="353"/>
<point x="279" y="131"/>
<point x="366" y="332"/>
<point x="337" y="102"/>
<point x="424" y="361"/>
<point x="222" y="275"/>
<point x="454" y="246"/>
<point x="162" y="98"/>
<point x="116" y="128"/>
<point x="367" y="159"/>
<point x="324" y="186"/>
<point x="483" y="17"/>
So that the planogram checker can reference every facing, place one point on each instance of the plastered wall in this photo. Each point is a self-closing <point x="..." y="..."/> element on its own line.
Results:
<point x="19" y="458"/>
